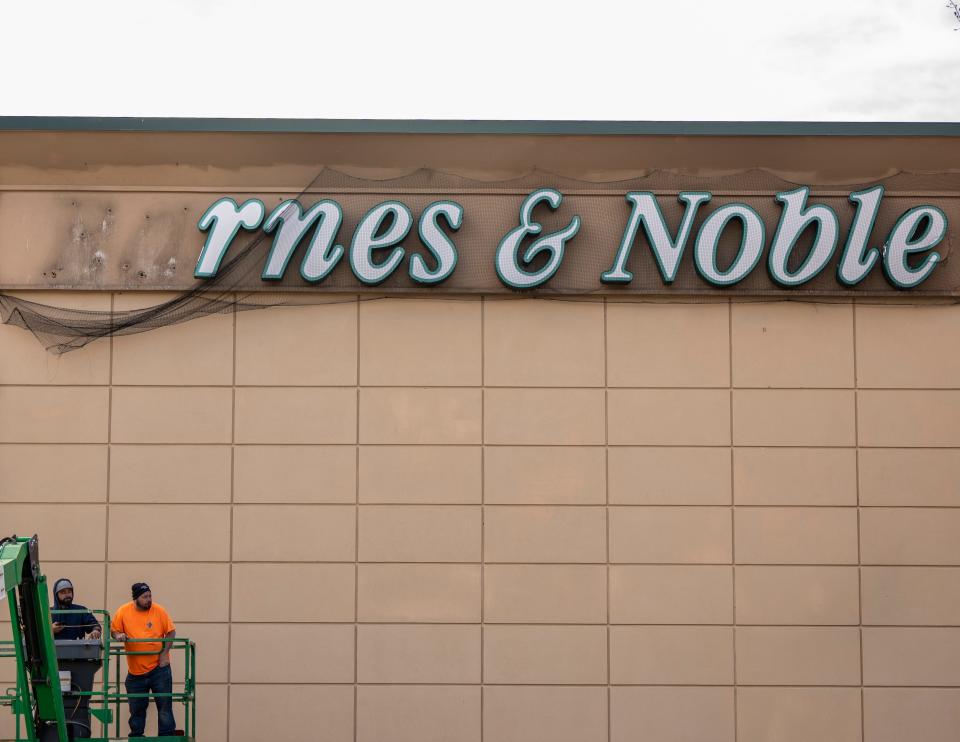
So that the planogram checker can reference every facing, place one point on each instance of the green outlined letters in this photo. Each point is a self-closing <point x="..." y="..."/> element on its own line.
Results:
<point x="371" y="235"/>
<point x="668" y="251"/>
<point x="322" y="255"/>
<point x="794" y="219"/>
<point x="751" y="245"/>
<point x="918" y="230"/>
<point x="222" y="221"/>
<point x="439" y="245"/>
<point x="508" y="258"/>
<point x="857" y="259"/>
<point x="525" y="258"/>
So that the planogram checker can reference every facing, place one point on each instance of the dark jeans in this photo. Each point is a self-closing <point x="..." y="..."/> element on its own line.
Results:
<point x="81" y="714"/>
<point x="158" y="680"/>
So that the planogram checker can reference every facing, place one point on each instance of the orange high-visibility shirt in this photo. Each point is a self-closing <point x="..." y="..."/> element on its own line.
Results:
<point x="136" y="624"/>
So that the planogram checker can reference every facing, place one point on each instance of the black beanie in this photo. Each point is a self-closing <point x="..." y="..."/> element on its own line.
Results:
<point x="139" y="588"/>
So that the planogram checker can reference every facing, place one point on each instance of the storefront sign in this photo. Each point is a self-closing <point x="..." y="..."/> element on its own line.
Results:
<point x="808" y="240"/>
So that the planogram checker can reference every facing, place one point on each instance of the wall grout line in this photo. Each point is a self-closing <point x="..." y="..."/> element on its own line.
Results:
<point x="856" y="436"/>
<point x="483" y="505"/>
<point x="596" y="564"/>
<point x="233" y="450"/>
<point x="422" y="684"/>
<point x="596" y="445"/>
<point x="356" y="546"/>
<point x="396" y="622"/>
<point x="252" y="504"/>
<point x="733" y="528"/>
<point x="606" y="485"/>
<point x="496" y="387"/>
<point x="105" y="681"/>
<point x="109" y="444"/>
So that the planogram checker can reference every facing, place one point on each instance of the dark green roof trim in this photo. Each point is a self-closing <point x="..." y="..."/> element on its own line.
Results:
<point x="423" y="126"/>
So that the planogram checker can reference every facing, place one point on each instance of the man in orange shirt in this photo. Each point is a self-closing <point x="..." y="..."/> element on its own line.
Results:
<point x="141" y="618"/>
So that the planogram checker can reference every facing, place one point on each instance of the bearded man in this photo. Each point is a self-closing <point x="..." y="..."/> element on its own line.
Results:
<point x="80" y="623"/>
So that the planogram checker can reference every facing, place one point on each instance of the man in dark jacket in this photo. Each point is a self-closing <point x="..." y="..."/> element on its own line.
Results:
<point x="79" y="623"/>
<point x="71" y="625"/>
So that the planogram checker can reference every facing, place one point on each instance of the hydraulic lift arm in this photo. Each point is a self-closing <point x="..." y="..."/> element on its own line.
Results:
<point x="26" y="592"/>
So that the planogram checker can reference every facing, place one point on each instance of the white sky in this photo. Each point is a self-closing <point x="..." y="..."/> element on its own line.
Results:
<point x="867" y="60"/>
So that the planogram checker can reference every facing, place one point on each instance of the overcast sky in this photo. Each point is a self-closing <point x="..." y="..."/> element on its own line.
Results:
<point x="867" y="60"/>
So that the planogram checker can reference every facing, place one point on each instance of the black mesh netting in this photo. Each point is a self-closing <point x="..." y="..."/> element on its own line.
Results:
<point x="491" y="207"/>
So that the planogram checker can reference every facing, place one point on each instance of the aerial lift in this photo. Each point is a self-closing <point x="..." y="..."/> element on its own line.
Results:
<point x="37" y="701"/>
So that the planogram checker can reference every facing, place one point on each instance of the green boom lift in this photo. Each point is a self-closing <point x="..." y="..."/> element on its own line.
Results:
<point x="37" y="701"/>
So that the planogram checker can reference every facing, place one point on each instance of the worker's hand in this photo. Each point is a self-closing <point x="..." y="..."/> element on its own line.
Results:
<point x="164" y="660"/>
<point x="57" y="627"/>
<point x="120" y="636"/>
<point x="95" y="634"/>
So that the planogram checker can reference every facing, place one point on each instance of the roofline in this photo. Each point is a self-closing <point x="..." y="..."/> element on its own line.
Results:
<point x="445" y="126"/>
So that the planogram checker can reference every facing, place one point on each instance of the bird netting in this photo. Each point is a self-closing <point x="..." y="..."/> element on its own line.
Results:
<point x="492" y="209"/>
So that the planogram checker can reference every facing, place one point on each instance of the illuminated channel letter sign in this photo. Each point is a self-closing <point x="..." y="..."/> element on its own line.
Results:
<point x="529" y="255"/>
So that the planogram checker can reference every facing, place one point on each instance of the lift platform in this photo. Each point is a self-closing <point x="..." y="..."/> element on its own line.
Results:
<point x="57" y="696"/>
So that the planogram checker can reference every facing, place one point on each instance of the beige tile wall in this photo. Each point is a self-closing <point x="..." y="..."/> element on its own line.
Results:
<point x="512" y="520"/>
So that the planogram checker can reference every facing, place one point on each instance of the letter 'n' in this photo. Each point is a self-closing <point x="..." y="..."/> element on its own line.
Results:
<point x="666" y="249"/>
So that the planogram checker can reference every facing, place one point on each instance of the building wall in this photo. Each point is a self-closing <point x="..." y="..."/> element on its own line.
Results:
<point x="446" y="520"/>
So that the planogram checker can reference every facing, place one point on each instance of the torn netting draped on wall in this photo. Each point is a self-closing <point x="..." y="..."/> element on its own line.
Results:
<point x="492" y="210"/>
<point x="61" y="329"/>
